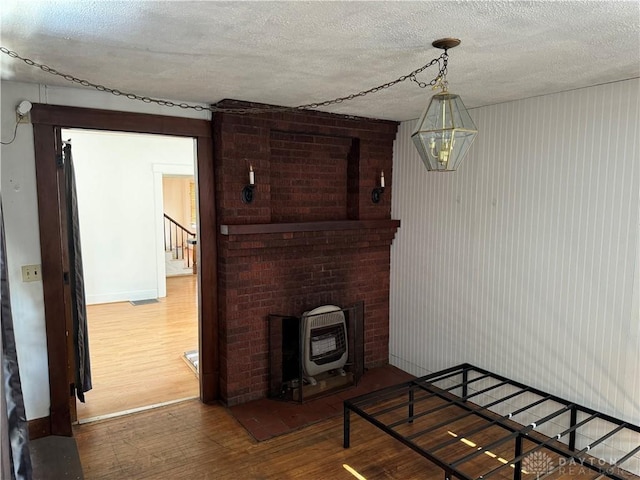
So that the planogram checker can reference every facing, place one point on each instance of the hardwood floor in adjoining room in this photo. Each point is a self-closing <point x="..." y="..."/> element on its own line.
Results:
<point x="136" y="351"/>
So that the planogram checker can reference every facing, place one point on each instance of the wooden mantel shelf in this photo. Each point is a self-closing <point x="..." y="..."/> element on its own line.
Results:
<point x="333" y="225"/>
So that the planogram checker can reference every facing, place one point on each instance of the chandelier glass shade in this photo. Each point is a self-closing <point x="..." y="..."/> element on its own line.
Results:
<point x="444" y="133"/>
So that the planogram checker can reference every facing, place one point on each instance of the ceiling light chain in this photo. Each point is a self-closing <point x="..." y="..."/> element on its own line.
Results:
<point x="441" y="61"/>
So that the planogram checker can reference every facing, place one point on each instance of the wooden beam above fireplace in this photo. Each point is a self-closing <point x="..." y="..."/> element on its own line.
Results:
<point x="258" y="228"/>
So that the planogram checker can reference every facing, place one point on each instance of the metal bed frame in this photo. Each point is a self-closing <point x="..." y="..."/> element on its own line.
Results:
<point x="398" y="411"/>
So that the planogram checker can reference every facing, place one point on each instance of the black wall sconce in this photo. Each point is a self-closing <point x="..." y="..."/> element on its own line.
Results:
<point x="377" y="192"/>
<point x="247" y="191"/>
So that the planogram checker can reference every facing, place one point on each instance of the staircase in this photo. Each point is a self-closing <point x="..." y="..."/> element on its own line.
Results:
<point x="176" y="266"/>
<point x="179" y="247"/>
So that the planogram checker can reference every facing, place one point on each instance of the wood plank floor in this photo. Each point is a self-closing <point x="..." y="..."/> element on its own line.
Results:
<point x="193" y="441"/>
<point x="136" y="351"/>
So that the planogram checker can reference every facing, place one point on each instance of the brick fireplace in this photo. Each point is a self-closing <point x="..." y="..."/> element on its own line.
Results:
<point x="311" y="236"/>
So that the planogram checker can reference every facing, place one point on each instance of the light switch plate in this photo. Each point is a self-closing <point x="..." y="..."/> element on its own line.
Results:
<point x="31" y="273"/>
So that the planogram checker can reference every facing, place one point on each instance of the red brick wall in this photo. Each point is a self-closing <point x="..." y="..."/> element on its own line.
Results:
<point x="309" y="167"/>
<point x="308" y="177"/>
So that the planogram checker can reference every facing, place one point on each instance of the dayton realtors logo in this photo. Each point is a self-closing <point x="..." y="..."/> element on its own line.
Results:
<point x="541" y="464"/>
<point x="538" y="463"/>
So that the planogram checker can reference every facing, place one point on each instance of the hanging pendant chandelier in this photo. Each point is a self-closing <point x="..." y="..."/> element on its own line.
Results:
<point x="445" y="130"/>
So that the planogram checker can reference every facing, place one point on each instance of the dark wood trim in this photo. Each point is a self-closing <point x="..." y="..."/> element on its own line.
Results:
<point x="52" y="276"/>
<point x="39" y="427"/>
<point x="98" y="119"/>
<point x="45" y="118"/>
<point x="258" y="228"/>
<point x="207" y="292"/>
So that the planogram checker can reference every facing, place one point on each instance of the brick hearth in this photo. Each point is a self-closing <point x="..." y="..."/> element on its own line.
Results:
<point x="312" y="235"/>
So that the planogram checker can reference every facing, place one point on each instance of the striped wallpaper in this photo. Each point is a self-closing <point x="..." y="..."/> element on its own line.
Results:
<point x="524" y="261"/>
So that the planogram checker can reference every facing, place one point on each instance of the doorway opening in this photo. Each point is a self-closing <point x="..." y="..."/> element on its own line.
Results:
<point x="141" y="320"/>
<point x="47" y="121"/>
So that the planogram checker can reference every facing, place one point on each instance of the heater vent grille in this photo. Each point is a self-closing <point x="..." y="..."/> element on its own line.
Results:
<point x="326" y="319"/>
<point x="327" y="344"/>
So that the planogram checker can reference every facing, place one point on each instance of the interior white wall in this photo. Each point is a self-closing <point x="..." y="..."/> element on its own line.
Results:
<point x="523" y="261"/>
<point x="21" y="220"/>
<point x="117" y="211"/>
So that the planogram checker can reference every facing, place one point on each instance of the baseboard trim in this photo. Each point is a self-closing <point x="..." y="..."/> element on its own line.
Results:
<point x="121" y="296"/>
<point x="39" y="427"/>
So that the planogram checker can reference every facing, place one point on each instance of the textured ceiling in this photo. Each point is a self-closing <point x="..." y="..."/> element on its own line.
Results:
<point x="291" y="53"/>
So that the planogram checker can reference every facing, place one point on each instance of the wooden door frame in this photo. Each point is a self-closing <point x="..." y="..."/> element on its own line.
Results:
<point x="45" y="118"/>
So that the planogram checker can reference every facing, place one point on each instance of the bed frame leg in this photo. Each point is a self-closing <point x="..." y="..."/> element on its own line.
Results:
<point x="572" y="436"/>
<point x="465" y="383"/>
<point x="346" y="428"/>
<point x="411" y="397"/>
<point x="517" y="471"/>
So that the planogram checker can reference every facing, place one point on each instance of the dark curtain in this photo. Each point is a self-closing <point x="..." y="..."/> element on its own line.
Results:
<point x="16" y="460"/>
<point x="76" y="279"/>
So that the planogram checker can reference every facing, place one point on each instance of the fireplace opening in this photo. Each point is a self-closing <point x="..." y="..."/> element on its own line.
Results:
<point x="316" y="353"/>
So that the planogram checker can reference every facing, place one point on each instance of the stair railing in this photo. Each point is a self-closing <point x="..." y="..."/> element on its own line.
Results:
<point x="176" y="236"/>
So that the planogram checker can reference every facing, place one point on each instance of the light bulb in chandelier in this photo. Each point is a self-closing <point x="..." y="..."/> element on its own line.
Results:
<point x="440" y="150"/>
<point x="445" y="130"/>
